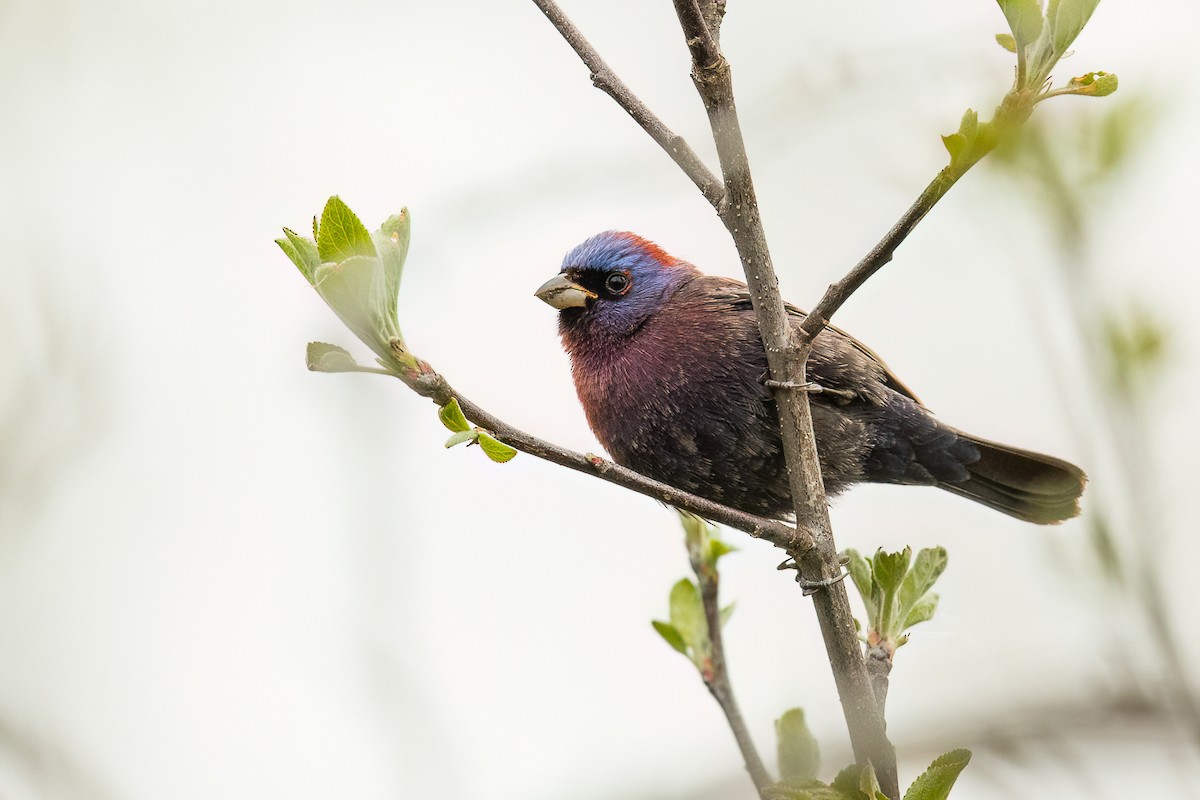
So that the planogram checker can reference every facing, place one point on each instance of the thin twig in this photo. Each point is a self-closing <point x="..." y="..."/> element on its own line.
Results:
<point x="606" y="80"/>
<point x="427" y="382"/>
<point x="716" y="677"/>
<point x="838" y="293"/>
<point x="1014" y="110"/>
<point x="786" y="357"/>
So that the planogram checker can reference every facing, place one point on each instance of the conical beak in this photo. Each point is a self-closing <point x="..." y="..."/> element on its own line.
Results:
<point x="563" y="293"/>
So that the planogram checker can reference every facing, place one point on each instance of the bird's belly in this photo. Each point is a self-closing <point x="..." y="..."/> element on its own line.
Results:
<point x="714" y="434"/>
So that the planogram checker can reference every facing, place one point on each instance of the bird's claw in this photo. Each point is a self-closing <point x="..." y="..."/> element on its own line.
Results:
<point x="840" y="396"/>
<point x="812" y="587"/>
<point x="807" y="386"/>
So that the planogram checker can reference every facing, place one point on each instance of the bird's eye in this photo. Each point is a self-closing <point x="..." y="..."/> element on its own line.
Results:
<point x="617" y="283"/>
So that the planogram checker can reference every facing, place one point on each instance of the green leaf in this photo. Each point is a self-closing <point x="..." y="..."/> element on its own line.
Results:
<point x="693" y="526"/>
<point x="695" y="535"/>
<point x="921" y="611"/>
<point x="341" y="235"/>
<point x="1024" y="19"/>
<point x="847" y="781"/>
<point x="452" y="416"/>
<point x="726" y="613"/>
<point x="341" y="263"/>
<point x="460" y="437"/>
<point x="785" y="791"/>
<point x="987" y="136"/>
<point x="868" y="784"/>
<point x="956" y="145"/>
<point x="935" y="783"/>
<point x="293" y="256"/>
<point x="806" y="790"/>
<point x="397" y="229"/>
<point x="1093" y="84"/>
<point x="348" y="288"/>
<point x="860" y="573"/>
<point x="718" y="548"/>
<point x="968" y="126"/>
<point x="1067" y="18"/>
<point x="965" y="143"/>
<point x="799" y="756"/>
<point x="687" y="616"/>
<point x="302" y="252"/>
<point x="495" y="449"/>
<point x="323" y="357"/>
<point x="391" y="240"/>
<point x="668" y="632"/>
<point x="896" y="594"/>
<point x="1007" y="42"/>
<point x="890" y="569"/>
<point x="928" y="566"/>
<point x="703" y="539"/>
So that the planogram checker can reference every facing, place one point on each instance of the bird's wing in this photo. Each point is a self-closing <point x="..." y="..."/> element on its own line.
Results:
<point x="890" y="379"/>
<point x="738" y="296"/>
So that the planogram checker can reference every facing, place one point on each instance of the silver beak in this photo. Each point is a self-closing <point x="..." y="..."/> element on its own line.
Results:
<point x="563" y="293"/>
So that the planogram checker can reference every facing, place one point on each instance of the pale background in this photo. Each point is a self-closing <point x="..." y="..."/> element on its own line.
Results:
<point x="222" y="576"/>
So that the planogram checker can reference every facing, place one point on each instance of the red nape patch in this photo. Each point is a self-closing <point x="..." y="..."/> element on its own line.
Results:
<point x="650" y="248"/>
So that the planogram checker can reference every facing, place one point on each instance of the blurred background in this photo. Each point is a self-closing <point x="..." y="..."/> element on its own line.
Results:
<point x="222" y="576"/>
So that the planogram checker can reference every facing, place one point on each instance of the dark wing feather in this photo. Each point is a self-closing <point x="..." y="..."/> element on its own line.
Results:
<point x="738" y="297"/>
<point x="890" y="379"/>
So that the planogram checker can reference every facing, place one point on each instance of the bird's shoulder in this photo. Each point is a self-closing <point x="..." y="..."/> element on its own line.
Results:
<point x="733" y="295"/>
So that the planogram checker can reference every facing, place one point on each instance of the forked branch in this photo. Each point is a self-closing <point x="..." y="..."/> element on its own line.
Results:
<point x="786" y="357"/>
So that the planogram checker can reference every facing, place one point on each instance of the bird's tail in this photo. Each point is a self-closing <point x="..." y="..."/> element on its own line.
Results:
<point x="1026" y="485"/>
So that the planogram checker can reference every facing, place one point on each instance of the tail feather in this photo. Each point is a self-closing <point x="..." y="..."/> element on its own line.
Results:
<point x="1023" y="484"/>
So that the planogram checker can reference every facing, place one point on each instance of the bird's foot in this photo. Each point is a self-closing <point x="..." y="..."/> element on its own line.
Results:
<point x="839" y="396"/>
<point x="807" y="386"/>
<point x="811" y="587"/>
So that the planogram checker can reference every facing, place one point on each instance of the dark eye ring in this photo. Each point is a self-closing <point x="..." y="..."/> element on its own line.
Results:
<point x="617" y="283"/>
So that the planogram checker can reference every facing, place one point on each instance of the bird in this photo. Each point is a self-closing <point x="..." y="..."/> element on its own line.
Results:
<point x="670" y="369"/>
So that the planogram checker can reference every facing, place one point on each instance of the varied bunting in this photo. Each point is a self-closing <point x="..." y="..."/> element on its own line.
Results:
<point x="669" y="366"/>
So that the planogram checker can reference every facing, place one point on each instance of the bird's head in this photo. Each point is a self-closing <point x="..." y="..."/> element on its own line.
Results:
<point x="611" y="284"/>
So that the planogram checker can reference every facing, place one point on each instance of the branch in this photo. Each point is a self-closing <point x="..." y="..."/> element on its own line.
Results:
<point x="605" y="79"/>
<point x="701" y="40"/>
<point x="722" y="691"/>
<point x="882" y="253"/>
<point x="716" y="678"/>
<point x="786" y="357"/>
<point x="1010" y="115"/>
<point x="427" y="382"/>
<point x="714" y="14"/>
<point x="879" y="667"/>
